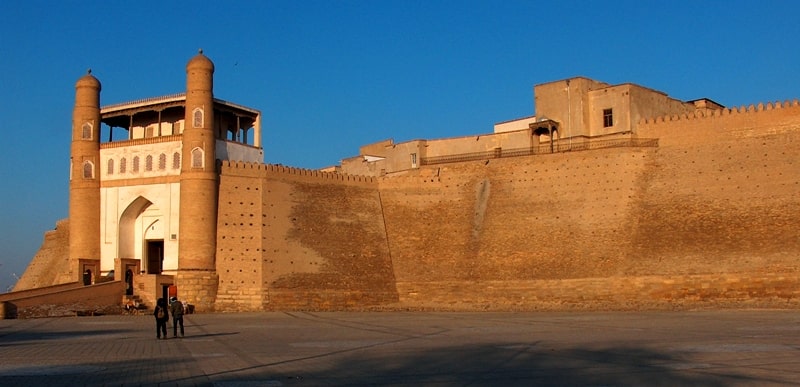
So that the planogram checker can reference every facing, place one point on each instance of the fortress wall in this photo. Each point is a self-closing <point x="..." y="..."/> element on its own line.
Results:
<point x="561" y="216"/>
<point x="523" y="218"/>
<point x="248" y="169"/>
<point x="724" y="193"/>
<point x="50" y="266"/>
<point x="427" y="222"/>
<point x="727" y="206"/>
<point x="625" y="293"/>
<point x="321" y="238"/>
<point x="709" y="218"/>
<point x="240" y="220"/>
<point x="710" y="214"/>
<point x="737" y="122"/>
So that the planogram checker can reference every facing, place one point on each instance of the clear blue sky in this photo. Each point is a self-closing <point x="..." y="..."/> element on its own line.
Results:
<point x="330" y="76"/>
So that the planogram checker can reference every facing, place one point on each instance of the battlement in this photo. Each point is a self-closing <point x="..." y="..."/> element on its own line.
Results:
<point x="721" y="125"/>
<point x="700" y="114"/>
<point x="254" y="169"/>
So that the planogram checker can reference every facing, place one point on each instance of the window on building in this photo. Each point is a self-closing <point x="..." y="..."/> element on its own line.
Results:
<point x="88" y="170"/>
<point x="123" y="164"/>
<point x="413" y="160"/>
<point x="110" y="168"/>
<point x="197" y="118"/>
<point x="608" y="118"/>
<point x="197" y="158"/>
<point x="135" y="164"/>
<point x="148" y="163"/>
<point x="176" y="160"/>
<point x="86" y="131"/>
<point x="162" y="162"/>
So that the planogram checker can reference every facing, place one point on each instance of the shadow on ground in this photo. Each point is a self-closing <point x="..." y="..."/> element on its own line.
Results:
<point x="504" y="365"/>
<point x="474" y="365"/>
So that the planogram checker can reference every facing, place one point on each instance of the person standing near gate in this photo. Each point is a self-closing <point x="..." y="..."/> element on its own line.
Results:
<point x="162" y="316"/>
<point x="176" y="309"/>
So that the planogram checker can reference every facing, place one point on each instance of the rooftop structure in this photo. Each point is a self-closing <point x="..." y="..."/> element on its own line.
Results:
<point x="570" y="114"/>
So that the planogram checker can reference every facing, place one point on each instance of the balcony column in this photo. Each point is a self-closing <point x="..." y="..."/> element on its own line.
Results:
<point x="238" y="129"/>
<point x="257" y="132"/>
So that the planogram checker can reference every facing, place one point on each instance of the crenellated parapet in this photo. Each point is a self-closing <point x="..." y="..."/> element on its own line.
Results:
<point x="252" y="169"/>
<point x="734" y="112"/>
<point x="738" y="122"/>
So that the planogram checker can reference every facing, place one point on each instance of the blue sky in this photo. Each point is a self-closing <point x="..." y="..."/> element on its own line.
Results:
<point x="330" y="76"/>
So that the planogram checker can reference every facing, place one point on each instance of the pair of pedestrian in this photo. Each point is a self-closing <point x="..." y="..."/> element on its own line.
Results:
<point x="162" y="312"/>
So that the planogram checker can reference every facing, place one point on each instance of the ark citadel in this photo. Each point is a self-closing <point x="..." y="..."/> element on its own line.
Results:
<point x="610" y="197"/>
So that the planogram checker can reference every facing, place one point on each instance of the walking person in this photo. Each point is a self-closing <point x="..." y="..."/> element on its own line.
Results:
<point x="162" y="316"/>
<point x="176" y="309"/>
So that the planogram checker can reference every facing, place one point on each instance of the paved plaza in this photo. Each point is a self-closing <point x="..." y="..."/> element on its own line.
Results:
<point x="704" y="348"/>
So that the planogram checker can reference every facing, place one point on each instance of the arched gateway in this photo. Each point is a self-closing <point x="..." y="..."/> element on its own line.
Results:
<point x="152" y="175"/>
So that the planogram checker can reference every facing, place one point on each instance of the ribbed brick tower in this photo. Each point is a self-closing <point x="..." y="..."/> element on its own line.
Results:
<point x="84" y="177"/>
<point x="197" y="278"/>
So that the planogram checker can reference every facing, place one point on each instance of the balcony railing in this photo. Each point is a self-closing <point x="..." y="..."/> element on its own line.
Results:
<point x="140" y="141"/>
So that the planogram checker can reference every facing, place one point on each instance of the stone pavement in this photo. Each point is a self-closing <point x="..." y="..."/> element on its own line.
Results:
<point x="706" y="348"/>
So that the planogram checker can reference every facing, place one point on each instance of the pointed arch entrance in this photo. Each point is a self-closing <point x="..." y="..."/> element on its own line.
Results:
<point x="141" y="235"/>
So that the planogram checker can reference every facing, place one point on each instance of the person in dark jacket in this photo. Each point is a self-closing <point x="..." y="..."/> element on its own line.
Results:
<point x="162" y="316"/>
<point x="176" y="309"/>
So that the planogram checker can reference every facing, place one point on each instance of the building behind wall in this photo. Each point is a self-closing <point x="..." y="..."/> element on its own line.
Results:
<point x="569" y="114"/>
<point x="609" y="196"/>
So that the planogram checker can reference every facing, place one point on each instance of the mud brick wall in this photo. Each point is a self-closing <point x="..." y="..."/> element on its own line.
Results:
<point x="296" y="239"/>
<point x="624" y="293"/>
<point x="50" y="266"/>
<point x="542" y="217"/>
<point x="240" y="238"/>
<point x="722" y="194"/>
<point x="612" y="228"/>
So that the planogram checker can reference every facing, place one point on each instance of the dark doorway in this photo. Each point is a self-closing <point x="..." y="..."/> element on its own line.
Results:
<point x="155" y="256"/>
<point x="129" y="282"/>
<point x="165" y="293"/>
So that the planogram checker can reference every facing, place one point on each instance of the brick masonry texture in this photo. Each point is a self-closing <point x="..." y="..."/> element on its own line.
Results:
<point x="50" y="266"/>
<point x="706" y="219"/>
<point x="291" y="239"/>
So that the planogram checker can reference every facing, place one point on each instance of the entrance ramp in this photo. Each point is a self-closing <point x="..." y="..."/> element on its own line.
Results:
<point x="71" y="299"/>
